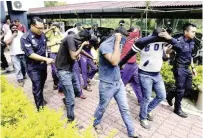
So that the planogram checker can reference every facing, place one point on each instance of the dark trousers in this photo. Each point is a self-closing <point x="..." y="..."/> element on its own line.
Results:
<point x="38" y="78"/>
<point x="130" y="75"/>
<point x="87" y="74"/>
<point x="54" y="73"/>
<point x="4" y="63"/>
<point x="78" y="91"/>
<point x="183" y="81"/>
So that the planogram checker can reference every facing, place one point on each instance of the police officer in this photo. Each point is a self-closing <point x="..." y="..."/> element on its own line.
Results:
<point x="33" y="44"/>
<point x="183" y="59"/>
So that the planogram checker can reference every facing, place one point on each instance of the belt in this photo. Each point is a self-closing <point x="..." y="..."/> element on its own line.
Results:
<point x="182" y="66"/>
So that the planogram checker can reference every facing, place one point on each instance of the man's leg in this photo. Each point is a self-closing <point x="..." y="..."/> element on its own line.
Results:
<point x="23" y="65"/>
<point x="83" y="63"/>
<point x="54" y="72"/>
<point x="37" y="83"/>
<point x="4" y="63"/>
<point x="146" y="83"/>
<point x="181" y="77"/>
<point x="126" y="73"/>
<point x="106" y="93"/>
<point x="17" y="67"/>
<point x="122" y="102"/>
<point x="93" y="68"/>
<point x="77" y="85"/>
<point x="66" y="80"/>
<point x="135" y="84"/>
<point x="160" y="91"/>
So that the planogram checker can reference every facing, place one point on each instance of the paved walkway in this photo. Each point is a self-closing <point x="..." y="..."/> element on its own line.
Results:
<point x="166" y="124"/>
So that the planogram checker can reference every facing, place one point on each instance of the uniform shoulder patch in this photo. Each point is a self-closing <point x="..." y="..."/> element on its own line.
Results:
<point x="25" y="35"/>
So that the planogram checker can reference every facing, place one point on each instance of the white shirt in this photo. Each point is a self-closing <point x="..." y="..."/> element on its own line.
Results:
<point x="151" y="57"/>
<point x="15" y="46"/>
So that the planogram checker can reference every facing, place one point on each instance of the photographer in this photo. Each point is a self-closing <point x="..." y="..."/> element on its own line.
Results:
<point x="17" y="55"/>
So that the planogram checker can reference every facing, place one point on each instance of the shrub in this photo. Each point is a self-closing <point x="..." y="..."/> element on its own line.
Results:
<point x="169" y="80"/>
<point x="21" y="120"/>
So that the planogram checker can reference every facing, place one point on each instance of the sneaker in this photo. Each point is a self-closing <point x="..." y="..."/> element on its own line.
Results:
<point x="145" y="124"/>
<point x="149" y="117"/>
<point x="20" y="83"/>
<point x="139" y="136"/>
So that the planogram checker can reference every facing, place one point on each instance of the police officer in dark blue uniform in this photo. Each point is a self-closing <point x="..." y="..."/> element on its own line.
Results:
<point x="33" y="44"/>
<point x="182" y="74"/>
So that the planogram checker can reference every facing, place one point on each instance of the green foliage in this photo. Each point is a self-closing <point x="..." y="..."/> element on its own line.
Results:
<point x="169" y="80"/>
<point x="21" y="120"/>
<point x="54" y="3"/>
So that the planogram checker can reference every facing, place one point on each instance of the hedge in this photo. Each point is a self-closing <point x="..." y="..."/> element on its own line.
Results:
<point x="20" y="119"/>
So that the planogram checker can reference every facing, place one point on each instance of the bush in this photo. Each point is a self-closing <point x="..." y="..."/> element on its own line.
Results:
<point x="169" y="80"/>
<point x="21" y="120"/>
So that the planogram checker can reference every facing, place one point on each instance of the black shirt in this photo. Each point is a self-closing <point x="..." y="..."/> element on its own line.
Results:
<point x="63" y="59"/>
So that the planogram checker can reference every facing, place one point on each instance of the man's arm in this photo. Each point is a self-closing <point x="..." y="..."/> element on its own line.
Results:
<point x="10" y="39"/>
<point x="27" y="48"/>
<point x="193" y="67"/>
<point x="75" y="54"/>
<point x="86" y="54"/>
<point x="138" y="45"/>
<point x="114" y="57"/>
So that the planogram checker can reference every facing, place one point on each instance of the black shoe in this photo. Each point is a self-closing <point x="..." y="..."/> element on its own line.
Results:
<point x="24" y="77"/>
<point x="181" y="113"/>
<point x="169" y="101"/>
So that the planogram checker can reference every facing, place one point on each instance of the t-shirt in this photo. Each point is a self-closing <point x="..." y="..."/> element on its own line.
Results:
<point x="107" y="72"/>
<point x="128" y="45"/>
<point x="63" y="59"/>
<point x="15" y="45"/>
<point x="151" y="57"/>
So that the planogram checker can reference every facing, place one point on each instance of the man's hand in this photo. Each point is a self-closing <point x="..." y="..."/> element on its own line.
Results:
<point x="194" y="72"/>
<point x="85" y="43"/>
<point x="50" y="60"/>
<point x="15" y="34"/>
<point x="165" y="35"/>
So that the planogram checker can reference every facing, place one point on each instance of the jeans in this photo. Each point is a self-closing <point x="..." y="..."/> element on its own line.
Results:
<point x="148" y="83"/>
<point x="70" y="83"/>
<point x="19" y="65"/>
<point x="117" y="90"/>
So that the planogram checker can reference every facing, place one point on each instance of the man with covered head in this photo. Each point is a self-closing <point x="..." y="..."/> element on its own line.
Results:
<point x="111" y="85"/>
<point x="68" y="54"/>
<point x="152" y="49"/>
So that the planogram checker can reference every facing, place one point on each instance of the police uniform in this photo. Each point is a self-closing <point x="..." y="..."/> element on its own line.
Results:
<point x="37" y="70"/>
<point x="181" y="71"/>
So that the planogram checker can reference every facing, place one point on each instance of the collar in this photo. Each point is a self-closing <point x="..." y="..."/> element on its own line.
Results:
<point x="187" y="40"/>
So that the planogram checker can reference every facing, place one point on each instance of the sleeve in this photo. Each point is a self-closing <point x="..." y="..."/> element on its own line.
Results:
<point x="70" y="43"/>
<point x="104" y="49"/>
<point x="176" y="44"/>
<point x="127" y="57"/>
<point x="139" y="44"/>
<point x="26" y="46"/>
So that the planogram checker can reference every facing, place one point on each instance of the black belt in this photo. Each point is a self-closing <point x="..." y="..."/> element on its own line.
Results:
<point x="182" y="66"/>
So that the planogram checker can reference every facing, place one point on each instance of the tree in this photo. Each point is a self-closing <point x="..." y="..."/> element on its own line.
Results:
<point x="54" y="3"/>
